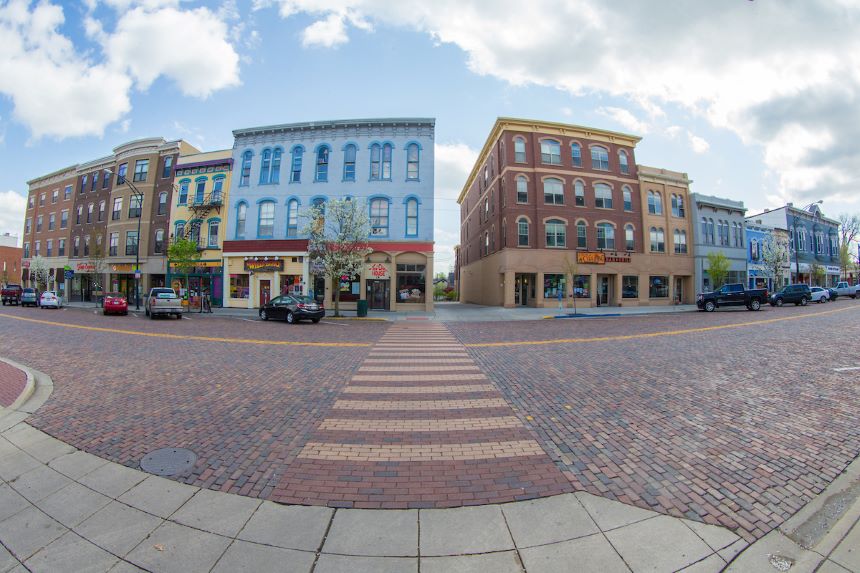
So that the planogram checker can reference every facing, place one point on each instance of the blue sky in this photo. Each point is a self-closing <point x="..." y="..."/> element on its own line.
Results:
<point x="741" y="96"/>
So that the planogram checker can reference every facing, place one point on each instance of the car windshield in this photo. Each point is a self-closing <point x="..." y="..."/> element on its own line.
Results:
<point x="113" y="295"/>
<point x="29" y="290"/>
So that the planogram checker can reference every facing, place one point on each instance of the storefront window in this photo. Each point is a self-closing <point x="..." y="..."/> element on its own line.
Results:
<point x="410" y="283"/>
<point x="630" y="287"/>
<point x="350" y="288"/>
<point x="291" y="284"/>
<point x="240" y="286"/>
<point x="582" y="286"/>
<point x="658" y="287"/>
<point x="552" y="285"/>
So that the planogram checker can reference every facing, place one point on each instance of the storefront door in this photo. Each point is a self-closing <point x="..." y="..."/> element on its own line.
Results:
<point x="319" y="288"/>
<point x="378" y="294"/>
<point x="679" y="290"/>
<point x="604" y="294"/>
<point x="523" y="289"/>
<point x="265" y="291"/>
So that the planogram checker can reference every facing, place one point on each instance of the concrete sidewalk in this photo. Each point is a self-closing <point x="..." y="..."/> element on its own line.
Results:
<point x="65" y="510"/>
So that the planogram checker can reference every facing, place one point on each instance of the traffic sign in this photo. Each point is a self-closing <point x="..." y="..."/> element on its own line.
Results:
<point x="69" y="274"/>
<point x="137" y="273"/>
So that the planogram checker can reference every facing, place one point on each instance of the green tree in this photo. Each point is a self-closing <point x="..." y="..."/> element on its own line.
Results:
<point x="816" y="274"/>
<point x="337" y="240"/>
<point x="183" y="255"/>
<point x="718" y="268"/>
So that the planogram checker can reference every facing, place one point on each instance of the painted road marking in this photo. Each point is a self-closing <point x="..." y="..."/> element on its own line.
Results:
<point x="847" y="368"/>
<point x="334" y="323"/>
<point x="191" y="337"/>
<point x="653" y="334"/>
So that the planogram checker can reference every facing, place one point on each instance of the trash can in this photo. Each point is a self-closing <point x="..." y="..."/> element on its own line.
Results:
<point x="362" y="308"/>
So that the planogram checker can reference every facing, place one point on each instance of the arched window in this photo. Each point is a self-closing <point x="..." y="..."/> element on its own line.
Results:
<point x="349" y="162"/>
<point x="200" y="191"/>
<point x="680" y="242"/>
<point x="245" y="175"/>
<point x="658" y="241"/>
<point x="704" y="230"/>
<point x="486" y="243"/>
<point x="553" y="191"/>
<point x="579" y="193"/>
<point x="602" y="196"/>
<point x="412" y="217"/>
<point x="159" y="242"/>
<point x="183" y="191"/>
<point x="629" y="237"/>
<point x="520" y="150"/>
<point x="217" y="190"/>
<point x="581" y="236"/>
<point x="296" y="167"/>
<point x="265" y="166"/>
<point x="266" y="220"/>
<point x="677" y="206"/>
<point x="212" y="236"/>
<point x="522" y="232"/>
<point x="576" y="154"/>
<point x="276" y="165"/>
<point x="605" y="236"/>
<point x="655" y="203"/>
<point x="555" y="233"/>
<point x="379" y="217"/>
<point x="550" y="152"/>
<point x="292" y="218"/>
<point x="162" y="203"/>
<point x="375" y="162"/>
<point x="522" y="189"/>
<point x="711" y="235"/>
<point x="599" y="158"/>
<point x="90" y="208"/>
<point x="386" y="162"/>
<point x="179" y="230"/>
<point x="412" y="162"/>
<point x="322" y="164"/>
<point x="622" y="161"/>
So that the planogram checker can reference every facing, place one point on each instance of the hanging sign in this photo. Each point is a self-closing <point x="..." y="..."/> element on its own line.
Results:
<point x="590" y="258"/>
<point x="377" y="271"/>
<point x="263" y="265"/>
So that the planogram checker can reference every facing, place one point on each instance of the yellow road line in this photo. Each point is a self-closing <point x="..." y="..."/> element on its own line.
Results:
<point x="189" y="337"/>
<point x="653" y="334"/>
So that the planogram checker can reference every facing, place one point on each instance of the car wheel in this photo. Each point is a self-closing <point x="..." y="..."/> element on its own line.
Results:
<point x="263" y="315"/>
<point x="315" y="320"/>
<point x="755" y="304"/>
<point x="290" y="318"/>
<point x="710" y="306"/>
<point x="803" y="301"/>
<point x="146" y="311"/>
<point x="779" y="302"/>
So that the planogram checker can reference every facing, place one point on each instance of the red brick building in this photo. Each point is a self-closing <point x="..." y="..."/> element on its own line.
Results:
<point x="10" y="260"/>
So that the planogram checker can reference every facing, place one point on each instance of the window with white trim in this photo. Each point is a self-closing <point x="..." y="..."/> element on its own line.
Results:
<point x="599" y="158"/>
<point x="605" y="236"/>
<point x="553" y="191"/>
<point x="602" y="196"/>
<point x="556" y="233"/>
<point x="378" y="217"/>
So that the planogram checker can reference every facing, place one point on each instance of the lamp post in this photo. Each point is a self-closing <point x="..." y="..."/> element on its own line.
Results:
<point x="794" y="238"/>
<point x="139" y="196"/>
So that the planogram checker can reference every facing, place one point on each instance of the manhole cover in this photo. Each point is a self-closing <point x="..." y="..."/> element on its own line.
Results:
<point x="168" y="461"/>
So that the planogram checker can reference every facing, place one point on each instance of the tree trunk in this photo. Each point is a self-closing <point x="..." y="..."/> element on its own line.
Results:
<point x="335" y="284"/>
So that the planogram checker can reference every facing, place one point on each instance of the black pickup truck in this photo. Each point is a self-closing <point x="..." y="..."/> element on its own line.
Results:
<point x="732" y="295"/>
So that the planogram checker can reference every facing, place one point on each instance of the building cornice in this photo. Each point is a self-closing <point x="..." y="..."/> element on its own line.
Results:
<point x="69" y="172"/>
<point x="663" y="176"/>
<point x="335" y="124"/>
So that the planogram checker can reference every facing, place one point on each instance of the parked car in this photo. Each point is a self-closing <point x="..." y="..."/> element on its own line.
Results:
<point x="819" y="294"/>
<point x="50" y="299"/>
<point x="732" y="295"/>
<point x="832" y="293"/>
<point x="163" y="301"/>
<point x="797" y="294"/>
<point x="30" y="297"/>
<point x="12" y="294"/>
<point x="292" y="309"/>
<point x="115" y="303"/>
<point x="844" y="289"/>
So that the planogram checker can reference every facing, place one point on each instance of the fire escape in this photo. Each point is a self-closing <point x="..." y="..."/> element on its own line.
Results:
<point x="200" y="209"/>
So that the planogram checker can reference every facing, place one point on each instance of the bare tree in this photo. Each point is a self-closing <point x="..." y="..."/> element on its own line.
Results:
<point x="849" y="231"/>
<point x="571" y="267"/>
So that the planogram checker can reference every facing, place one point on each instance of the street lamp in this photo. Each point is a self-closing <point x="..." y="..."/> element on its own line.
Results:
<point x="139" y="196"/>
<point x="794" y="238"/>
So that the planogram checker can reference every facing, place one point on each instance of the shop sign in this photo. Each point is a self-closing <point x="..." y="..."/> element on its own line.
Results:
<point x="590" y="258"/>
<point x="377" y="271"/>
<point x="264" y="265"/>
<point x="122" y="268"/>
<point x="317" y="267"/>
<point x="85" y="267"/>
<point x="618" y="259"/>
<point x="833" y="270"/>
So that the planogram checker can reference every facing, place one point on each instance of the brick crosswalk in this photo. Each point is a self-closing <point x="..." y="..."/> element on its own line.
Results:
<point x="419" y="425"/>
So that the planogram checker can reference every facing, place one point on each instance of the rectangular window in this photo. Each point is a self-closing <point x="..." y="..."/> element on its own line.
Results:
<point x="76" y="247"/>
<point x="581" y="237"/>
<point x="658" y="287"/>
<point x="379" y="217"/>
<point x="28" y="226"/>
<point x="553" y="192"/>
<point x="117" y="209"/>
<point x="412" y="218"/>
<point x="141" y="170"/>
<point x="411" y="283"/>
<point x="162" y="203"/>
<point x="629" y="287"/>
<point x="582" y="286"/>
<point x="350" y="289"/>
<point x="26" y="250"/>
<point x="95" y="181"/>
<point x="553" y="285"/>
<point x="412" y="163"/>
<point x="52" y="221"/>
<point x="523" y="233"/>
<point x="599" y="158"/>
<point x="167" y="168"/>
<point x="55" y="196"/>
<point x="217" y="191"/>
<point x="131" y="242"/>
<point x="121" y="173"/>
<point x="576" y="155"/>
<point x="555" y="235"/>
<point x="349" y="163"/>
<point x="101" y="211"/>
<point x="49" y="248"/>
<point x="105" y="179"/>
<point x="200" y="192"/>
<point x="134" y="206"/>
<point x="519" y="150"/>
<point x="79" y="214"/>
<point x="38" y="248"/>
<point x="550" y="152"/>
<point x="213" y="234"/>
<point x="267" y="220"/>
<point x="159" y="242"/>
<point x="89" y="213"/>
<point x="61" y="248"/>
<point x="87" y="246"/>
<point x="386" y="162"/>
<point x="114" y="244"/>
<point x="39" y="224"/>
<point x="83" y="185"/>
<point x="183" y="192"/>
<point x="240" y="286"/>
<point x="67" y="193"/>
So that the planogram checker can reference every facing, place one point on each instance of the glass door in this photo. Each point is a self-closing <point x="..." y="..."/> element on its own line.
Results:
<point x="379" y="294"/>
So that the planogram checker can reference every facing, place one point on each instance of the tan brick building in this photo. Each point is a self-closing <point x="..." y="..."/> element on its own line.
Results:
<point x="546" y="201"/>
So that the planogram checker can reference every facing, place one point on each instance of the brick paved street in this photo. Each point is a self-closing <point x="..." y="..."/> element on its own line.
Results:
<point x="12" y="382"/>
<point x="696" y="415"/>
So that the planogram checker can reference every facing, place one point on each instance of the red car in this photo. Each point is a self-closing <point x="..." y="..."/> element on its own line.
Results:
<point x="115" y="303"/>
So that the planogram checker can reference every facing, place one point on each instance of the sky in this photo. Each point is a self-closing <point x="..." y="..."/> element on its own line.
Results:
<point x="757" y="100"/>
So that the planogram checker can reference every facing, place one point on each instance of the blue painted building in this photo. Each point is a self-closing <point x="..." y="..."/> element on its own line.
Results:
<point x="758" y="274"/>
<point x="280" y="171"/>
<point x="814" y="241"/>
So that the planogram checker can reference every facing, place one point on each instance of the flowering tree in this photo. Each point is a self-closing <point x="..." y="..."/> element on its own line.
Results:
<point x="40" y="272"/>
<point x="774" y="258"/>
<point x="337" y="240"/>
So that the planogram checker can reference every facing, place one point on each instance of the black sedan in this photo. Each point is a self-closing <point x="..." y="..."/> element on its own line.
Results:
<point x="292" y="309"/>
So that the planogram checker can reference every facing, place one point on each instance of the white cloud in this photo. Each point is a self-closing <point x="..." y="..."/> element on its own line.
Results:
<point x="12" y="213"/>
<point x="625" y="119"/>
<point x="750" y="67"/>
<point x="453" y="163"/>
<point x="698" y="144"/>
<point x="566" y="112"/>
<point x="60" y="90"/>
<point x="326" y="33"/>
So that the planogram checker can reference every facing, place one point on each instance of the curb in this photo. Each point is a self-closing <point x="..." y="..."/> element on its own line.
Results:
<point x="364" y="318"/>
<point x="29" y="386"/>
<point x="38" y="389"/>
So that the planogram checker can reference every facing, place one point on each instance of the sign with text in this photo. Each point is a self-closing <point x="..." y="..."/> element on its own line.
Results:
<point x="377" y="271"/>
<point x="122" y="268"/>
<point x="264" y="266"/>
<point x="622" y="258"/>
<point x="85" y="267"/>
<point x="590" y="258"/>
